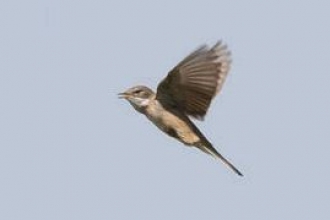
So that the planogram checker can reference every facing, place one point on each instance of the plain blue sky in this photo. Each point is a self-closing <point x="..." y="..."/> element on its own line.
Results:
<point x="69" y="149"/>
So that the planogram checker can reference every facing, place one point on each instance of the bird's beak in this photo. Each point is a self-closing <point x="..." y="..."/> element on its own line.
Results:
<point x="123" y="95"/>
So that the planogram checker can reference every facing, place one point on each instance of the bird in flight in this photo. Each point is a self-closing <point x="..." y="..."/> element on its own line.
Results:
<point x="186" y="93"/>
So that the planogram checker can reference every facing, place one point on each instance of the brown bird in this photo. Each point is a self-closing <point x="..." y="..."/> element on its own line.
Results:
<point x="186" y="92"/>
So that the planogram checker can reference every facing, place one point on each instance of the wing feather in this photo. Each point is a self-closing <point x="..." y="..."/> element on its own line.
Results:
<point x="193" y="83"/>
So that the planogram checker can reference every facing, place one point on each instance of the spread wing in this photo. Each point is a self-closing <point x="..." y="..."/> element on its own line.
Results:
<point x="193" y="83"/>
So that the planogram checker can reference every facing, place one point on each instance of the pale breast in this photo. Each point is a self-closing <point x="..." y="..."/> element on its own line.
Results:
<point x="171" y="124"/>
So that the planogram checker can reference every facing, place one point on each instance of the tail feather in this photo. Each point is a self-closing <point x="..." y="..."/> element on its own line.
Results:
<point x="209" y="149"/>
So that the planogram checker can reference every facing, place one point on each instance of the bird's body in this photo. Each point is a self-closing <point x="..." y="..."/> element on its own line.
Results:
<point x="186" y="91"/>
<point x="172" y="122"/>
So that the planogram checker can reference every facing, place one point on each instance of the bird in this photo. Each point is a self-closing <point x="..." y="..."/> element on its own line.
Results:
<point x="185" y="94"/>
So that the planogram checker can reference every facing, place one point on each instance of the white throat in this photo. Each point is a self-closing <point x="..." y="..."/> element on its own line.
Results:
<point x="145" y="102"/>
<point x="139" y="102"/>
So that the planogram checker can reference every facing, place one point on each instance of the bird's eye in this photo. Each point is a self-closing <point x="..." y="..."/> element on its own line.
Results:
<point x="137" y="91"/>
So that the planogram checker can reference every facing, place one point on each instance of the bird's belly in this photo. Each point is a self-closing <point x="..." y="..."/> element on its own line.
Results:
<point x="174" y="126"/>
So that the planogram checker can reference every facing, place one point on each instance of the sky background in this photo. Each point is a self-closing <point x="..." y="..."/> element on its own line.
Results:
<point x="69" y="149"/>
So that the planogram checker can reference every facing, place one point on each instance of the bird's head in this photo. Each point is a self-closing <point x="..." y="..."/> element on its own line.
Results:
<point x="138" y="96"/>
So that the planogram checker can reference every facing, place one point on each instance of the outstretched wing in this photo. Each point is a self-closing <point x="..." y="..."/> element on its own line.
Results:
<point x="193" y="83"/>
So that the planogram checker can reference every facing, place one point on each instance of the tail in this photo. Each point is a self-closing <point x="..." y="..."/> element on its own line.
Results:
<point x="209" y="149"/>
